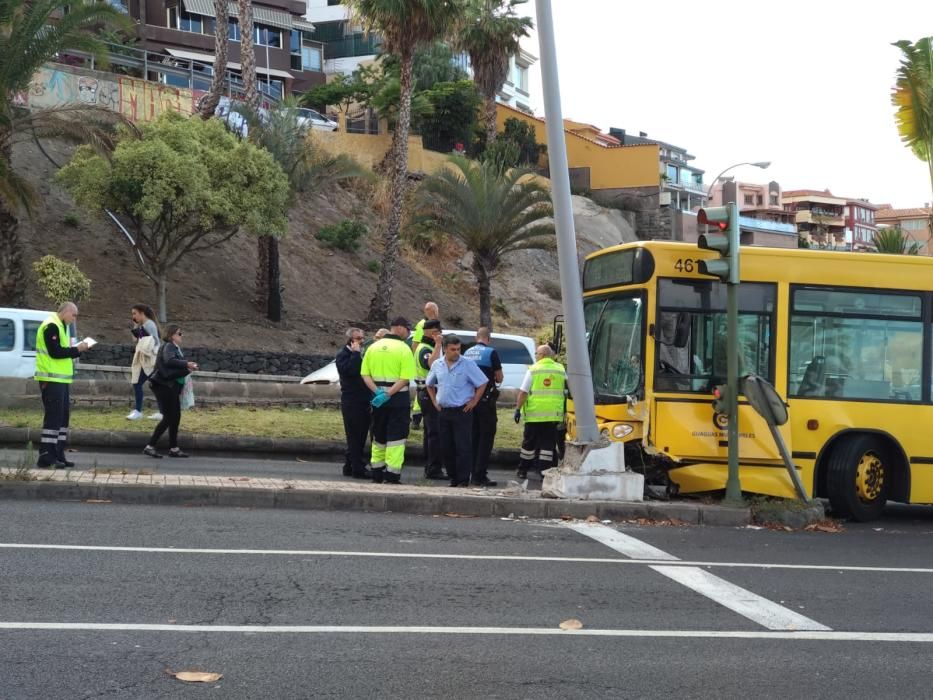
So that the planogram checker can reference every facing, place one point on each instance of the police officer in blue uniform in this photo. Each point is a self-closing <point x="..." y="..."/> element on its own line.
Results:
<point x="484" y="415"/>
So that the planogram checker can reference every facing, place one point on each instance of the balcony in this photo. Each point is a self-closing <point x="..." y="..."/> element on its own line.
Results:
<point x="351" y="46"/>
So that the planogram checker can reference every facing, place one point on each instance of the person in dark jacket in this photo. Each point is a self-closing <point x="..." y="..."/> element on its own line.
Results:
<point x="354" y="403"/>
<point x="171" y="372"/>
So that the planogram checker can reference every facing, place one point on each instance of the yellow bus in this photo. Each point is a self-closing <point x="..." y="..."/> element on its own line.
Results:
<point x="844" y="337"/>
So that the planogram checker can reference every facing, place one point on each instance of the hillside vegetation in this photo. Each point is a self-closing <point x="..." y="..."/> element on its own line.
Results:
<point x="325" y="289"/>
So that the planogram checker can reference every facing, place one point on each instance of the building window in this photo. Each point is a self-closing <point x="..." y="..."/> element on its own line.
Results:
<point x="759" y="199"/>
<point x="914" y="224"/>
<point x="311" y="58"/>
<point x="520" y="78"/>
<point x="264" y="35"/>
<point x="233" y="30"/>
<point x="671" y="173"/>
<point x="773" y="200"/>
<point x="749" y="199"/>
<point x="185" y="21"/>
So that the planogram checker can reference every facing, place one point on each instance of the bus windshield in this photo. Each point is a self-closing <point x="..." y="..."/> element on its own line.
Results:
<point x="614" y="328"/>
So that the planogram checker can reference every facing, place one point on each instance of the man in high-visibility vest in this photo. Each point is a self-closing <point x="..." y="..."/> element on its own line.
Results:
<point x="431" y="313"/>
<point x="541" y="400"/>
<point x="55" y="372"/>
<point x="426" y="352"/>
<point x="388" y="367"/>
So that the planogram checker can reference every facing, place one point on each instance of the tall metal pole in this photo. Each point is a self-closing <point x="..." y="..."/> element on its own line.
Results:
<point x="733" y="487"/>
<point x="579" y="376"/>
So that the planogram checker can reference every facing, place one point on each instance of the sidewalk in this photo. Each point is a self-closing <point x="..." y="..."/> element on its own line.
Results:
<point x="248" y="492"/>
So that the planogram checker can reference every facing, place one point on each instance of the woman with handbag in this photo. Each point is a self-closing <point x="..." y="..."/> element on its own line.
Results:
<point x="171" y="373"/>
<point x="146" y="333"/>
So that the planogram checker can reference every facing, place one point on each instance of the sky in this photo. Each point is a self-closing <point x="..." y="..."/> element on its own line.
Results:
<point x="805" y="85"/>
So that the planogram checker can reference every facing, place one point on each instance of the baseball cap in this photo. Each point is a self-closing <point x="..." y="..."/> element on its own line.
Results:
<point x="401" y="321"/>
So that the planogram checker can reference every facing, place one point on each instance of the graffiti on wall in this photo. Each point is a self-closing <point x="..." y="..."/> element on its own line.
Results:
<point x="137" y="100"/>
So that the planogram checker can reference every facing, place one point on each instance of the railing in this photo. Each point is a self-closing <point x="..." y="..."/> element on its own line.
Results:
<point x="356" y="45"/>
<point x="139" y="63"/>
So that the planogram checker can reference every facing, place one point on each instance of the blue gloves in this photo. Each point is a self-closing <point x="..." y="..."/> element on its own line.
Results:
<point x="518" y="415"/>
<point x="379" y="398"/>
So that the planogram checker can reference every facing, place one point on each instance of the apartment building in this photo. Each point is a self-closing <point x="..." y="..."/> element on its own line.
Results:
<point x="914" y="222"/>
<point x="762" y="218"/>
<point x="515" y="91"/>
<point x="860" y="224"/>
<point x="288" y="60"/>
<point x="820" y="217"/>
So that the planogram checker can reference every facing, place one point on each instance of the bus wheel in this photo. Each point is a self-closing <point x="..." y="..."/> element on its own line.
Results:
<point x="858" y="477"/>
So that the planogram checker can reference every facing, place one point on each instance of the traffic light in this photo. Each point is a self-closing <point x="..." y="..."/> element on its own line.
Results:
<point x="721" y="399"/>
<point x="724" y="240"/>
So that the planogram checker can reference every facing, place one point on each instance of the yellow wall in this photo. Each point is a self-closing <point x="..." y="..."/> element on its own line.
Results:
<point x="370" y="149"/>
<point x="610" y="167"/>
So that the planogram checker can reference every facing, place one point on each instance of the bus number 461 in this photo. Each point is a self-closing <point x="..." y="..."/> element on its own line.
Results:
<point x="686" y="265"/>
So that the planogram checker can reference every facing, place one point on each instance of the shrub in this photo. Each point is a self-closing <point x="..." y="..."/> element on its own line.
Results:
<point x="374" y="266"/>
<point x="71" y="220"/>
<point x="343" y="236"/>
<point x="61" y="281"/>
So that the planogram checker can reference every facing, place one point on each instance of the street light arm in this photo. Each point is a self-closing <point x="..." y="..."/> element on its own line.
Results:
<point x="758" y="164"/>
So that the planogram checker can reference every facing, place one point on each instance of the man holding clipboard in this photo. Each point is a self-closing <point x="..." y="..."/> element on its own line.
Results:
<point x="55" y="371"/>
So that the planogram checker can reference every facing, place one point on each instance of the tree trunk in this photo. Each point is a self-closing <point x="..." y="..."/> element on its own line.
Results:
<point x="247" y="54"/>
<point x="161" y="288"/>
<point x="12" y="273"/>
<point x="274" y="305"/>
<point x="382" y="301"/>
<point x="490" y="118"/>
<point x="262" y="272"/>
<point x="221" y="37"/>
<point x="485" y="292"/>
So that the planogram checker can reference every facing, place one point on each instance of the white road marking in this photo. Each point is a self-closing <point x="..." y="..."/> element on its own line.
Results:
<point x="622" y="543"/>
<point x="756" y="608"/>
<point x="481" y="557"/>
<point x="813" y="635"/>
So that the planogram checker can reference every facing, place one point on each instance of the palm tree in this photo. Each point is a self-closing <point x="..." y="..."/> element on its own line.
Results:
<point x="221" y="42"/>
<point x="283" y="133"/>
<point x="913" y="97"/>
<point x="491" y="212"/>
<point x="247" y="53"/>
<point x="895" y="242"/>
<point x="491" y="36"/>
<point x="404" y="25"/>
<point x="31" y="33"/>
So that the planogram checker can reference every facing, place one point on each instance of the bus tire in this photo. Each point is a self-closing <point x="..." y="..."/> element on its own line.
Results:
<point x="858" y="477"/>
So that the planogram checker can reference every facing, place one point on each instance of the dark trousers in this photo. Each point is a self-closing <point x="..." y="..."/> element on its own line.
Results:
<point x="138" y="390"/>
<point x="169" y="397"/>
<point x="539" y="444"/>
<point x="356" y="419"/>
<point x="433" y="460"/>
<point x="56" y="402"/>
<point x="456" y="443"/>
<point x="485" y="422"/>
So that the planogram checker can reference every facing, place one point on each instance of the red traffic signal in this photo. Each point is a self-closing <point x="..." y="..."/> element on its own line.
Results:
<point x="714" y="216"/>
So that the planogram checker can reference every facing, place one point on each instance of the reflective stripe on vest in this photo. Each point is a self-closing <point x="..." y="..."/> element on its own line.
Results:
<point x="48" y="368"/>
<point x="545" y="402"/>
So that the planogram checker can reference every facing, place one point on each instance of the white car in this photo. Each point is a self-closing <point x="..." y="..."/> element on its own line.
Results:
<point x="516" y="352"/>
<point x="18" y="340"/>
<point x="315" y="120"/>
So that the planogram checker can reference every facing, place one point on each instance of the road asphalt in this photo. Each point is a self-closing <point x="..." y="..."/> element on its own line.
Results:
<point x="109" y="600"/>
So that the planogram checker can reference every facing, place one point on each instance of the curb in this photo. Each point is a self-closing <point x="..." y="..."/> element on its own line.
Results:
<point x="134" y="441"/>
<point x="427" y="501"/>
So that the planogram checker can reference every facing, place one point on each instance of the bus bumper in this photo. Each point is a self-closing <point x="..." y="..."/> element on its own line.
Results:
<point x="697" y="478"/>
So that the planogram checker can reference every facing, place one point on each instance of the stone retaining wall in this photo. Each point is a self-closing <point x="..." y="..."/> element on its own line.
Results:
<point x="215" y="360"/>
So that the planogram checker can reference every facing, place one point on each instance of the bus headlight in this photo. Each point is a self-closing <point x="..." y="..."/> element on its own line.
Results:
<point x="620" y="430"/>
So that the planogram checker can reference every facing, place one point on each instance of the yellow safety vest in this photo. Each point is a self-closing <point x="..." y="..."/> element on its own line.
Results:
<point x="545" y="402"/>
<point x="387" y="361"/>
<point x="49" y="369"/>
<point x="420" y="372"/>
<point x="418" y="333"/>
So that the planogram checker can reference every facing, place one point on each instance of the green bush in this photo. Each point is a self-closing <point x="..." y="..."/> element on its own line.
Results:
<point x="343" y="236"/>
<point x="71" y="220"/>
<point x="61" y="281"/>
<point x="374" y="266"/>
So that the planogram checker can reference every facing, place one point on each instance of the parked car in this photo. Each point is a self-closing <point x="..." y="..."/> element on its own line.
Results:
<point x="516" y="353"/>
<point x="18" y="329"/>
<point x="315" y="120"/>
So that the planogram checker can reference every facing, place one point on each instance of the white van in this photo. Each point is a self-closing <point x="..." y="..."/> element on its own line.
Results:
<point x="18" y="329"/>
<point x="516" y="352"/>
